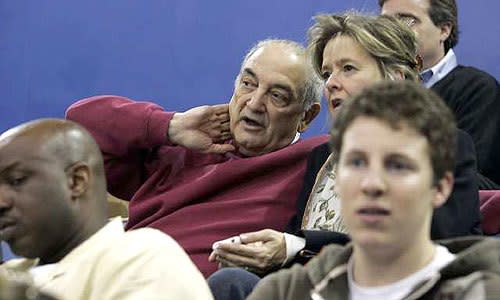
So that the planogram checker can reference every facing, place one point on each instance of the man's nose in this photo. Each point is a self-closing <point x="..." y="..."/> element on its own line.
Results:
<point x="256" y="101"/>
<point x="5" y="199"/>
<point x="374" y="182"/>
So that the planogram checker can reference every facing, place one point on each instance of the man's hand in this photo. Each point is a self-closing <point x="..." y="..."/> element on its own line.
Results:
<point x="259" y="252"/>
<point x="203" y="128"/>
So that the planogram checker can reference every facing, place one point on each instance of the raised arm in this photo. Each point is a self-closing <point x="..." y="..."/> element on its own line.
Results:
<point x="128" y="131"/>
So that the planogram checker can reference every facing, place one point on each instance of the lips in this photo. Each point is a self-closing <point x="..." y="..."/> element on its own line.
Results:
<point x="373" y="215"/>
<point x="336" y="102"/>
<point x="374" y="211"/>
<point x="252" y="123"/>
<point x="7" y="230"/>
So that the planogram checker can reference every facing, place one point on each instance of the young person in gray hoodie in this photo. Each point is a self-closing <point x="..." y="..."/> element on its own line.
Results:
<point x="394" y="144"/>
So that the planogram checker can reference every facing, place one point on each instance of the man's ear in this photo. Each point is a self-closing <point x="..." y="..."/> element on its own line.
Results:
<point x="78" y="179"/>
<point x="443" y="189"/>
<point x="308" y="116"/>
<point x="445" y="30"/>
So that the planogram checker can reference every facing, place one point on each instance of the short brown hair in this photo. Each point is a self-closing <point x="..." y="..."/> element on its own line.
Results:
<point x="392" y="44"/>
<point x="441" y="12"/>
<point x="404" y="103"/>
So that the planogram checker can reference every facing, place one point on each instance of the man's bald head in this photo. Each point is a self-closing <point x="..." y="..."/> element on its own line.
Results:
<point x="66" y="140"/>
<point x="52" y="188"/>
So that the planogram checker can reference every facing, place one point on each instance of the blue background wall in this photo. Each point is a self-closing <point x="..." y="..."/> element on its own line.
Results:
<point x="179" y="53"/>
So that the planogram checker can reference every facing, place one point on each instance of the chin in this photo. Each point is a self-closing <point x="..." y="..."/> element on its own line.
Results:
<point x="370" y="239"/>
<point x="247" y="140"/>
<point x="24" y="251"/>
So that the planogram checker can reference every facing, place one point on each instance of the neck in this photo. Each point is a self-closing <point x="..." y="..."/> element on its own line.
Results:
<point x="77" y="236"/>
<point x="249" y="152"/>
<point x="383" y="266"/>
<point x="431" y="61"/>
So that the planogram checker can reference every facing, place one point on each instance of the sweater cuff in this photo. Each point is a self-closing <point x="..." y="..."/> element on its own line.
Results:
<point x="158" y="123"/>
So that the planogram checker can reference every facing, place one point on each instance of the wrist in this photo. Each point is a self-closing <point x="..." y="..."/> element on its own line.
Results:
<point x="174" y="128"/>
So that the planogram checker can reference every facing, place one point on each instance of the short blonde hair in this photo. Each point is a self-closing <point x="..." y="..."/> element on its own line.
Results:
<point x="391" y="43"/>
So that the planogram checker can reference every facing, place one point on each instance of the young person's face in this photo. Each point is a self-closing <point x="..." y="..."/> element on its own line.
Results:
<point x="384" y="180"/>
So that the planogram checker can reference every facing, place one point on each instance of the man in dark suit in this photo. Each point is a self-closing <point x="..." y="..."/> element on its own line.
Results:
<point x="473" y="95"/>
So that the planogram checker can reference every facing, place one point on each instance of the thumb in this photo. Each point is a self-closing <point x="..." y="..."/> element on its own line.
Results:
<point x="220" y="148"/>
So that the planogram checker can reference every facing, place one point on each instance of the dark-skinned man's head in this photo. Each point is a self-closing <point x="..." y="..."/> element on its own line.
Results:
<point x="52" y="188"/>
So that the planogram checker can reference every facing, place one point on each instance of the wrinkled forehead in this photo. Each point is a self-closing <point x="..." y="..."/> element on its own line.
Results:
<point x="405" y="7"/>
<point x="277" y="64"/>
<point x="278" y="58"/>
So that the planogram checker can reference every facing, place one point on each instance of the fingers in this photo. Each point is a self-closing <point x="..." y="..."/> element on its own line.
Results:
<point x="227" y="264"/>
<point x="224" y="136"/>
<point x="227" y="258"/>
<point x="253" y="251"/>
<point x="265" y="235"/>
<point x="212" y="257"/>
<point x="258" y="256"/>
<point x="221" y="118"/>
<point x="224" y="126"/>
<point x="220" y="109"/>
<point x="223" y="139"/>
<point x="219" y="130"/>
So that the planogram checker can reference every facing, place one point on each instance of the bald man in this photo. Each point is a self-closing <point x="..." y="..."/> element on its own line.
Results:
<point x="53" y="213"/>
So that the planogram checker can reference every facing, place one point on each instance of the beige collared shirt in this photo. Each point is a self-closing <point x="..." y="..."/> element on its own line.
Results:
<point x="114" y="264"/>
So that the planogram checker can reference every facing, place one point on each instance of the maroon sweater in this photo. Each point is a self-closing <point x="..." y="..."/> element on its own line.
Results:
<point x="194" y="197"/>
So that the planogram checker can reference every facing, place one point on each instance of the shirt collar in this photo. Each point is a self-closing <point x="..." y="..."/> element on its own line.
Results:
<point x="296" y="138"/>
<point x="442" y="68"/>
<point x="99" y="240"/>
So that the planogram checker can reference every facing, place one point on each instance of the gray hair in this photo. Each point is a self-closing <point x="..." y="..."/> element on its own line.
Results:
<point x="312" y="88"/>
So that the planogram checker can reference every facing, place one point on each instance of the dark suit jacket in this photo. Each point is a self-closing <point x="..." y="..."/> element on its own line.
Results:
<point x="457" y="217"/>
<point x="474" y="98"/>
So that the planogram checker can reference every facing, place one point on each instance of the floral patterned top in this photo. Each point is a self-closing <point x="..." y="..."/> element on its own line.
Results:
<point x="323" y="206"/>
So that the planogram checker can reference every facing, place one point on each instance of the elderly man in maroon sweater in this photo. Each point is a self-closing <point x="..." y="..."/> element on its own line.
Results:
<point x="213" y="172"/>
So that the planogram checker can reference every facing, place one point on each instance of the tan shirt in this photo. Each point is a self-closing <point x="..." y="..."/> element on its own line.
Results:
<point x="113" y="264"/>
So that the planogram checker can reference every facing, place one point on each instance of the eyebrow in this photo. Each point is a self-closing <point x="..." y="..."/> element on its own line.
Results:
<point x="401" y="156"/>
<point x="340" y="61"/>
<point x="9" y="168"/>
<point x="287" y="88"/>
<point x="391" y="155"/>
<point x="248" y="71"/>
<point x="355" y="151"/>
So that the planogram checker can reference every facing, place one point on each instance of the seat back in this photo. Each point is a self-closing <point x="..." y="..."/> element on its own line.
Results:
<point x="490" y="210"/>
